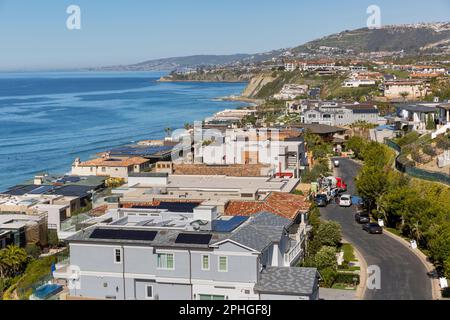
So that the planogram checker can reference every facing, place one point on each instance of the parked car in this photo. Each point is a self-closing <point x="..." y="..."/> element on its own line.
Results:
<point x="362" y="217"/>
<point x="334" y="192"/>
<point x="321" y="200"/>
<point x="336" y="163"/>
<point x="373" y="228"/>
<point x="345" y="200"/>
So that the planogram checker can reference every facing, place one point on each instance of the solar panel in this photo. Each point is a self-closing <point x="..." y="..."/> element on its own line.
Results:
<point x="193" y="238"/>
<point x="41" y="190"/>
<point x="120" y="234"/>
<point x="172" y="206"/>
<point x="228" y="225"/>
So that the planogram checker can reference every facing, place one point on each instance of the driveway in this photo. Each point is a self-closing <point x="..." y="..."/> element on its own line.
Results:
<point x="403" y="276"/>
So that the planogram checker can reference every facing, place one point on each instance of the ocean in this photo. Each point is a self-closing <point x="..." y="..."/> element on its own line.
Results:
<point x="49" y="119"/>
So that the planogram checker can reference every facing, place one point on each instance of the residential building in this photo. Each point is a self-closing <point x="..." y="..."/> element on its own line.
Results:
<point x="341" y="114"/>
<point x="108" y="166"/>
<point x="20" y="230"/>
<point x="286" y="157"/>
<point x="412" y="89"/>
<point x="144" y="187"/>
<point x="356" y="83"/>
<point x="291" y="91"/>
<point x="148" y="255"/>
<point x="414" y="117"/>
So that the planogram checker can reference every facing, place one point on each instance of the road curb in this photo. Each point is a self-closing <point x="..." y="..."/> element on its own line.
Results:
<point x="435" y="288"/>
<point x="361" y="289"/>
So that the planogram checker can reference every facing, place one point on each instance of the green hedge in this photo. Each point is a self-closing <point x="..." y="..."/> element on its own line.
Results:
<point x="347" y="278"/>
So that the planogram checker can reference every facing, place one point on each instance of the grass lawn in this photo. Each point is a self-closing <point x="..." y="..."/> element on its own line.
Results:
<point x="349" y="254"/>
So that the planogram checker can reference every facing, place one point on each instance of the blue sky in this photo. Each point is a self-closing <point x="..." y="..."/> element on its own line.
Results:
<point x="33" y="34"/>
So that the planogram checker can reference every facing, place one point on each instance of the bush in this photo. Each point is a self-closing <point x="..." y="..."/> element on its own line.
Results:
<point x="408" y="138"/>
<point x="347" y="278"/>
<point x="53" y="240"/>
<point x="429" y="150"/>
<point x="328" y="277"/>
<point x="326" y="258"/>
<point x="329" y="234"/>
<point x="446" y="292"/>
<point x="443" y="142"/>
<point x="33" y="250"/>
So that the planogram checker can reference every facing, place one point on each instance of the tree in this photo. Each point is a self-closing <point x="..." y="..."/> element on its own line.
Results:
<point x="404" y="95"/>
<point x="329" y="234"/>
<point x="187" y="126"/>
<point x="168" y="131"/>
<point x="372" y="183"/>
<point x="326" y="258"/>
<point x="431" y="125"/>
<point x="329" y="276"/>
<point x="12" y="260"/>
<point x="356" y="144"/>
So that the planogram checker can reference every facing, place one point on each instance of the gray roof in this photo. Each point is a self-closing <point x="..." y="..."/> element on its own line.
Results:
<point x="263" y="229"/>
<point x="258" y="233"/>
<point x="148" y="174"/>
<point x="288" y="281"/>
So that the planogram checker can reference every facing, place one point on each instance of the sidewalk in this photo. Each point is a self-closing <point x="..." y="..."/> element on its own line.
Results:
<point x="436" y="290"/>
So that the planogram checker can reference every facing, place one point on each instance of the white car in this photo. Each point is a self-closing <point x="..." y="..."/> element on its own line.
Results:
<point x="345" y="200"/>
<point x="336" y="163"/>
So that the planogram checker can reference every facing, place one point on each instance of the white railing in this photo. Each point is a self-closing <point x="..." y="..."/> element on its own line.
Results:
<point x="293" y="254"/>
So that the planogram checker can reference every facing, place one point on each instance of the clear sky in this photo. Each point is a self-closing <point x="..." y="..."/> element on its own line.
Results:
<point x="33" y="34"/>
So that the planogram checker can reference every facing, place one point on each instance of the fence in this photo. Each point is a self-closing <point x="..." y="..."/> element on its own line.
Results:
<point x="413" y="171"/>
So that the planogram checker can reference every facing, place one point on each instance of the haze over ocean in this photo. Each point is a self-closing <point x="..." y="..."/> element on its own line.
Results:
<point x="49" y="119"/>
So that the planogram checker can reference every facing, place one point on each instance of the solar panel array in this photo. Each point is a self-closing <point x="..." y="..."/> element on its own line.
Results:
<point x="228" y="225"/>
<point x="193" y="238"/>
<point x="140" y="151"/>
<point x="172" y="206"/>
<point x="120" y="234"/>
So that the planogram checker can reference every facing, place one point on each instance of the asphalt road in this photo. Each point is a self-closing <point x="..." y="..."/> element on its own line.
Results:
<point x="403" y="276"/>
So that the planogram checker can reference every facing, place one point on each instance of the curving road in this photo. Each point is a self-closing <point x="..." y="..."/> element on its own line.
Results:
<point x="403" y="276"/>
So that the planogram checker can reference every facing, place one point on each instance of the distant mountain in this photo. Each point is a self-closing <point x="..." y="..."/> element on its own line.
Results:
<point x="412" y="39"/>
<point x="194" y="61"/>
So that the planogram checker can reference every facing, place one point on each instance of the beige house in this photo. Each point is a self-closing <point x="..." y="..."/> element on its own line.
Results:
<point x="414" y="89"/>
<point x="110" y="167"/>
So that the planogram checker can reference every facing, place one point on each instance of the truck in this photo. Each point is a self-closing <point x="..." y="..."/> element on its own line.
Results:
<point x="336" y="182"/>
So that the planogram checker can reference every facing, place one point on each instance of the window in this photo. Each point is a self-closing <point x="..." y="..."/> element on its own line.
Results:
<point x="117" y="255"/>
<point x="103" y="169"/>
<point x="205" y="262"/>
<point x="211" y="297"/>
<point x="149" y="292"/>
<point x="166" y="261"/>
<point x="223" y="264"/>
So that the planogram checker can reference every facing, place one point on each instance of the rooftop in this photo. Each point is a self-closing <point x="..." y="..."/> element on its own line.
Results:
<point x="114" y="162"/>
<point x="285" y="205"/>
<point x="288" y="280"/>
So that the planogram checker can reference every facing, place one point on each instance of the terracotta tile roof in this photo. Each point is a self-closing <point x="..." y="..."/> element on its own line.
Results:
<point x="285" y="205"/>
<point x="114" y="162"/>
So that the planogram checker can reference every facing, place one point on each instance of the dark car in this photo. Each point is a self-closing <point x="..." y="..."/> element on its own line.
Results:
<point x="373" y="228"/>
<point x="321" y="200"/>
<point x="362" y="217"/>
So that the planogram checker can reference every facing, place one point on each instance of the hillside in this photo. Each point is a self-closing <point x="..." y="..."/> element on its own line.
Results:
<point x="412" y="39"/>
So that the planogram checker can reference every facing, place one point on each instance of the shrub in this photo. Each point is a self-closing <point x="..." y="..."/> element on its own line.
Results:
<point x="443" y="142"/>
<point x="347" y="278"/>
<point x="429" y="150"/>
<point x="326" y="258"/>
<point x="328" y="277"/>
<point x="446" y="292"/>
<point x="33" y="250"/>
<point x="408" y="138"/>
<point x="53" y="240"/>
<point x="329" y="234"/>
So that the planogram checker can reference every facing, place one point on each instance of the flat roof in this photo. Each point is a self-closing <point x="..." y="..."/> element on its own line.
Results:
<point x="217" y="182"/>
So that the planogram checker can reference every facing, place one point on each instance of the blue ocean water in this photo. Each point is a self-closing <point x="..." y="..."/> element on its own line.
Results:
<point x="49" y="119"/>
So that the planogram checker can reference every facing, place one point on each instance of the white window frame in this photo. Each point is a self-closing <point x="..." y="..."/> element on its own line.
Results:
<point x="146" y="292"/>
<point x="209" y="262"/>
<point x="115" y="255"/>
<point x="165" y="253"/>
<point x="218" y="263"/>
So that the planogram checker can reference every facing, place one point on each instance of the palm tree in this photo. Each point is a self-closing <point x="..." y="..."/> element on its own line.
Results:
<point x="404" y="95"/>
<point x="168" y="131"/>
<point x="187" y="126"/>
<point x="12" y="260"/>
